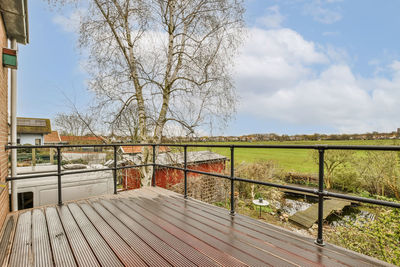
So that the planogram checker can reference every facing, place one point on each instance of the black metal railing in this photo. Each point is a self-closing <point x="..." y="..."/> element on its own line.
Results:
<point x="320" y="192"/>
<point x="59" y="173"/>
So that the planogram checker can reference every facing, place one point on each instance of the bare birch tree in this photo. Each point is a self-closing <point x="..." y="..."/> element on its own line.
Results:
<point x="170" y="59"/>
<point x="72" y="124"/>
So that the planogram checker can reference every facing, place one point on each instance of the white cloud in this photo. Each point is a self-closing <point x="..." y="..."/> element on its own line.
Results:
<point x="71" y="22"/>
<point x="395" y="66"/>
<point x="336" y="54"/>
<point x="281" y="76"/>
<point x="275" y="58"/>
<point x="272" y="19"/>
<point x="321" y="12"/>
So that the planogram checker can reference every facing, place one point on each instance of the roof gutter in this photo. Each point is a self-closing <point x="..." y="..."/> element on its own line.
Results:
<point x="15" y="18"/>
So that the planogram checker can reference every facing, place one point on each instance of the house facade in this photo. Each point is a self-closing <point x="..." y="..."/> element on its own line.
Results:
<point x="31" y="131"/>
<point x="13" y="25"/>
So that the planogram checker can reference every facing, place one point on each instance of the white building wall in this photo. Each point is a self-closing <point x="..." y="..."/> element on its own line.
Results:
<point x="30" y="138"/>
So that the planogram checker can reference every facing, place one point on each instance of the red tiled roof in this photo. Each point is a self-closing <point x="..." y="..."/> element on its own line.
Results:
<point x="72" y="138"/>
<point x="138" y="149"/>
<point x="52" y="137"/>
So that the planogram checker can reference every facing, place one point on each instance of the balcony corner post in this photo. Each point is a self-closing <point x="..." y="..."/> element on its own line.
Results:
<point x="232" y="212"/>
<point x="153" y="182"/>
<point x="320" y="240"/>
<point x="59" y="189"/>
<point x="185" y="170"/>
<point x="115" y="169"/>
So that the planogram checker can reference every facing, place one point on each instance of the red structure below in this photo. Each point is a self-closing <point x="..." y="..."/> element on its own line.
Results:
<point x="166" y="177"/>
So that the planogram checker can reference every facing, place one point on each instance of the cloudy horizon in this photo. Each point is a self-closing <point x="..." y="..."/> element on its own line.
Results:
<point x="305" y="67"/>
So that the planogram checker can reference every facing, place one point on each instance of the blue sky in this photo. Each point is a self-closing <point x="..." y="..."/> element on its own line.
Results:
<point x="327" y="66"/>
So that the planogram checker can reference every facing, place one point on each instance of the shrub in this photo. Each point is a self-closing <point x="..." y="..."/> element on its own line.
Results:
<point x="379" y="238"/>
<point x="265" y="171"/>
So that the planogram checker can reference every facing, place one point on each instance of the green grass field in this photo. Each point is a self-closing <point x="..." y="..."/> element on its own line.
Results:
<point x="290" y="160"/>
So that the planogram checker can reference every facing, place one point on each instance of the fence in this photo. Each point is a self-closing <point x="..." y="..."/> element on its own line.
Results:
<point x="320" y="192"/>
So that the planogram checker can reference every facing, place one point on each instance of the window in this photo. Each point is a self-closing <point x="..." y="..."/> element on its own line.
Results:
<point x="25" y="200"/>
<point x="18" y="141"/>
<point x="38" y="142"/>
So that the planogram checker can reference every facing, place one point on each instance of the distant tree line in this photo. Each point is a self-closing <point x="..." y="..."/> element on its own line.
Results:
<point x="285" y="137"/>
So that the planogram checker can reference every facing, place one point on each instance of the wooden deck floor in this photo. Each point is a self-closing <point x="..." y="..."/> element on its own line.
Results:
<point x="156" y="227"/>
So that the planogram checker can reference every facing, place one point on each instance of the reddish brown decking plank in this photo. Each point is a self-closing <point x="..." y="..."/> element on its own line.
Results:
<point x="263" y="253"/>
<point x="225" y="245"/>
<point x="62" y="253"/>
<point x="21" y="254"/>
<point x="173" y="249"/>
<point x="101" y="249"/>
<point x="270" y="231"/>
<point x="7" y="239"/>
<point x="83" y="253"/>
<point x="295" y="254"/>
<point x="175" y="237"/>
<point x="201" y="233"/>
<point x="254" y="237"/>
<point x="40" y="240"/>
<point x="147" y="253"/>
<point x="117" y="244"/>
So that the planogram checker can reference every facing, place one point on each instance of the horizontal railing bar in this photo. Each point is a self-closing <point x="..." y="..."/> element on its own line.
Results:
<point x="325" y="147"/>
<point x="30" y="176"/>
<point x="50" y="174"/>
<point x="194" y="171"/>
<point x="33" y="172"/>
<point x="54" y="146"/>
<point x="106" y="169"/>
<point x="300" y="189"/>
<point x="71" y="146"/>
<point x="55" y="174"/>
<point x="134" y="166"/>
<point x="85" y="171"/>
<point x="295" y="188"/>
<point x="317" y="147"/>
<point x="244" y="146"/>
<point x="363" y="199"/>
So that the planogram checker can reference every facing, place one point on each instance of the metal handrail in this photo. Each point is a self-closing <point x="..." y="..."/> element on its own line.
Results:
<point x="325" y="147"/>
<point x="320" y="192"/>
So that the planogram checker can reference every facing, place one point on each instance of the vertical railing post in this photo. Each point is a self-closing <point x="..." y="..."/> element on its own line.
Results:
<point x="154" y="166"/>
<point x="320" y="240"/>
<point x="115" y="169"/>
<point x="185" y="169"/>
<point x="59" y="175"/>
<point x="232" y="212"/>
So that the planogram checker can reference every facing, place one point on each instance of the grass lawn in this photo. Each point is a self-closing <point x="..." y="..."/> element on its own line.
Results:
<point x="290" y="160"/>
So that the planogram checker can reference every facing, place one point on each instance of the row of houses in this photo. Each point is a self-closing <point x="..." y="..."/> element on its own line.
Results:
<point x="37" y="131"/>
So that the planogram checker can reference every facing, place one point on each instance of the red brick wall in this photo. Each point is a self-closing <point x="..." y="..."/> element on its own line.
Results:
<point x="131" y="179"/>
<point x="167" y="177"/>
<point x="4" y="206"/>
